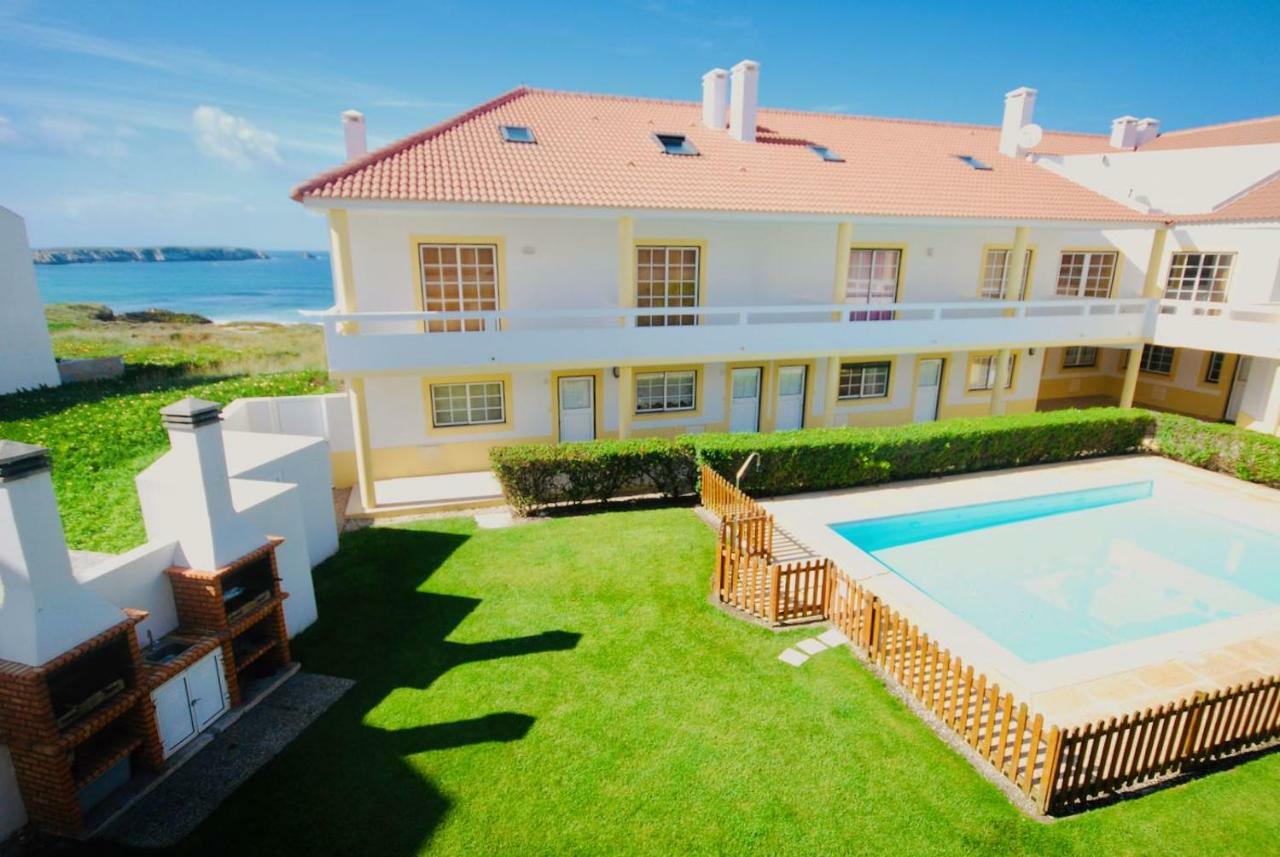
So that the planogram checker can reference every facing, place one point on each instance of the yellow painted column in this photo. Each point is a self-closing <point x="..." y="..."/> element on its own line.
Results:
<point x="831" y="391"/>
<point x="1130" y="387"/>
<point x="626" y="264"/>
<point x="1155" y="262"/>
<point x="1002" y="376"/>
<point x="344" y="282"/>
<point x="1017" y="264"/>
<point x="840" y="282"/>
<point x="626" y="401"/>
<point x="364" y="448"/>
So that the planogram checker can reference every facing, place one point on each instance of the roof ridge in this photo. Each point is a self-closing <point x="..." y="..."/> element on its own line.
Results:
<point x="397" y="146"/>
<point x="1232" y="124"/>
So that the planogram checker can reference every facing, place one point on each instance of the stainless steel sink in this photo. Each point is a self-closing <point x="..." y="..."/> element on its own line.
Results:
<point x="165" y="650"/>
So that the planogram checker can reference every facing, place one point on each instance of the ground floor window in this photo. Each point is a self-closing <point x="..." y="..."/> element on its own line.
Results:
<point x="982" y="372"/>
<point x="1156" y="359"/>
<point x="1213" y="367"/>
<point x="1080" y="357"/>
<point x="658" y="392"/>
<point x="864" y="380"/>
<point x="468" y="404"/>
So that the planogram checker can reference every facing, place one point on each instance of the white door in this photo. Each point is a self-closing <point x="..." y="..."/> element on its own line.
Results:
<point x="173" y="714"/>
<point x="744" y="410"/>
<point x="791" y="397"/>
<point x="1238" y="384"/>
<point x="578" y="408"/>
<point x="207" y="688"/>
<point x="928" y="389"/>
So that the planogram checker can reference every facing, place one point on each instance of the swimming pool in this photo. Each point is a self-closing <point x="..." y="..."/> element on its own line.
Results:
<point x="1061" y="574"/>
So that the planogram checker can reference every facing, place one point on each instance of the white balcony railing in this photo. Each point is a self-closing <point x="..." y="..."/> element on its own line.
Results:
<point x="1252" y="329"/>
<point x="581" y="338"/>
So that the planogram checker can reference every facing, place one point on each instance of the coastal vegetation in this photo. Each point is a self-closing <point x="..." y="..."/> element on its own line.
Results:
<point x="79" y="255"/>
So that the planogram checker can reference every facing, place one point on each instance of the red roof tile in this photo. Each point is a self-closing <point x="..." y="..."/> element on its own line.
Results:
<point x="596" y="151"/>
<point x="1262" y="203"/>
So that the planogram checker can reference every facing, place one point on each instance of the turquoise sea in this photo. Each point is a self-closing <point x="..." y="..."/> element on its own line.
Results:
<point x="271" y="289"/>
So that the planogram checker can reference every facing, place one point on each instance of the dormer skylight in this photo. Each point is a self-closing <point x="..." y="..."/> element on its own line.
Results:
<point x="974" y="162"/>
<point x="825" y="153"/>
<point x="675" y="144"/>
<point x="518" y="134"/>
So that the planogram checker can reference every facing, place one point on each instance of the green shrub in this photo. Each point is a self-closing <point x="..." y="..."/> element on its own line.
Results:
<point x="538" y="475"/>
<point x="1244" y="454"/>
<point x="828" y="458"/>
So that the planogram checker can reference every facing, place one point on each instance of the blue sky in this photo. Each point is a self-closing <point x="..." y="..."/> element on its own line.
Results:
<point x="184" y="122"/>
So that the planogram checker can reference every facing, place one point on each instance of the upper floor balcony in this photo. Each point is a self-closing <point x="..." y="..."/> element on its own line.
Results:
<point x="1252" y="329"/>
<point x="462" y="342"/>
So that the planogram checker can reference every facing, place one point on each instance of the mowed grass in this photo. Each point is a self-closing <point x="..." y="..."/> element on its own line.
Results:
<point x="565" y="688"/>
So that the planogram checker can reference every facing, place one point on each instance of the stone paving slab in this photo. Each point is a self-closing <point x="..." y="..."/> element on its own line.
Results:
<point x="794" y="657"/>
<point x="811" y="646"/>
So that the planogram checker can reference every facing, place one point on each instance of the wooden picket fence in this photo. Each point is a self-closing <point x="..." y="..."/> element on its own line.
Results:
<point x="1061" y="770"/>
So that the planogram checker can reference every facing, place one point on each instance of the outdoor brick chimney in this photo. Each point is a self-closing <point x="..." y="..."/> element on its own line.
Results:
<point x="44" y="611"/>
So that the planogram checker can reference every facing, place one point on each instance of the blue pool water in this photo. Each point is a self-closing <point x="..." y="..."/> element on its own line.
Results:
<point x="1060" y="574"/>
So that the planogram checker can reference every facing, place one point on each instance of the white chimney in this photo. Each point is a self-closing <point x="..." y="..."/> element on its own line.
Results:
<point x="1124" y="132"/>
<point x="197" y="509"/>
<point x="715" y="98"/>
<point x="744" y="100"/>
<point x="1019" y="108"/>
<point x="353" y="131"/>
<point x="44" y="611"/>
<point x="1148" y="130"/>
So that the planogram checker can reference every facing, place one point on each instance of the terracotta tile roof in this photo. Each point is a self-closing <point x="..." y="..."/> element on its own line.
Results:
<point x="1262" y="203"/>
<point x="1245" y="133"/>
<point x="596" y="150"/>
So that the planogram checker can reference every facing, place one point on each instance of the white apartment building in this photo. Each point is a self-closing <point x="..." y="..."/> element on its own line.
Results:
<point x="555" y="266"/>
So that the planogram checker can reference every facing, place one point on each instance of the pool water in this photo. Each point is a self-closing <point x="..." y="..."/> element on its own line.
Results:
<point x="1061" y="574"/>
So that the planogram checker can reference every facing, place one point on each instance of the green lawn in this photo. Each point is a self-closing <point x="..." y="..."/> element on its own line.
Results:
<point x="103" y="433"/>
<point x="564" y="687"/>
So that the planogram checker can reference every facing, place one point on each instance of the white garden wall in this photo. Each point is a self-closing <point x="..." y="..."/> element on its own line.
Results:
<point x="26" y="355"/>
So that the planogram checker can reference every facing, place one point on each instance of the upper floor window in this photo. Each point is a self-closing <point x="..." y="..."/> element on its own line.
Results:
<point x="657" y="392"/>
<point x="1199" y="277"/>
<point x="864" y="380"/>
<point x="1156" y="359"/>
<point x="873" y="279"/>
<point x="468" y="404"/>
<point x="1080" y="357"/>
<point x="458" y="278"/>
<point x="982" y="372"/>
<point x="667" y="277"/>
<point x="995" y="273"/>
<point x="1213" y="367"/>
<point x="1086" y="274"/>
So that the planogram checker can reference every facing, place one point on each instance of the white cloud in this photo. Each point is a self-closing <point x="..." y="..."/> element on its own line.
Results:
<point x="233" y="139"/>
<point x="66" y="134"/>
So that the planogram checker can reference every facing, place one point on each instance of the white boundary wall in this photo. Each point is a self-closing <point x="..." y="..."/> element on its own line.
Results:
<point x="26" y="355"/>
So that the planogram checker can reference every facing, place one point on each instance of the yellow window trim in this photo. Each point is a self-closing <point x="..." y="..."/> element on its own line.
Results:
<point x="1173" y="368"/>
<point x="1115" y="275"/>
<point x="1224" y="380"/>
<point x="420" y="287"/>
<point x="699" y="381"/>
<point x="597" y="396"/>
<point x="1033" y="249"/>
<point x="507" y="424"/>
<point x="975" y="356"/>
<point x="901" y="247"/>
<point x="1097" y="360"/>
<point x="946" y="358"/>
<point x="700" y="243"/>
<point x="848" y="405"/>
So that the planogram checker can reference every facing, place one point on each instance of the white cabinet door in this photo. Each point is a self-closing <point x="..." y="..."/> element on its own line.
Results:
<point x="173" y="712"/>
<point x="207" y="688"/>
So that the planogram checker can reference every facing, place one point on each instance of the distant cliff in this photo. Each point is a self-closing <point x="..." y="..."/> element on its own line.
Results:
<point x="74" y="255"/>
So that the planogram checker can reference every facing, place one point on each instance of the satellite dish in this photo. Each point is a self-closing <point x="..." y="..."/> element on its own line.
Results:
<point x="1030" y="136"/>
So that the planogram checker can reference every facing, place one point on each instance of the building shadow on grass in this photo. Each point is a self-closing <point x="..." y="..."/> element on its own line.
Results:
<point x="346" y="786"/>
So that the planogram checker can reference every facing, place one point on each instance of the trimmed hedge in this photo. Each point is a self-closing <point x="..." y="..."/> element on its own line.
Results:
<point x="828" y="458"/>
<point x="1244" y="454"/>
<point x="539" y="475"/>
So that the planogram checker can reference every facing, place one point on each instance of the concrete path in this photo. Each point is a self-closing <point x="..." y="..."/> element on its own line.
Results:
<point x="805" y="649"/>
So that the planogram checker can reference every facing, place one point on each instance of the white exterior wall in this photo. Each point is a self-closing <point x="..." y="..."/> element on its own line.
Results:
<point x="1255" y="274"/>
<point x="26" y="355"/>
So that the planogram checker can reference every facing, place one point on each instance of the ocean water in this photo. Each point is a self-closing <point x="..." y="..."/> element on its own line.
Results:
<point x="271" y="289"/>
<point x="1058" y="575"/>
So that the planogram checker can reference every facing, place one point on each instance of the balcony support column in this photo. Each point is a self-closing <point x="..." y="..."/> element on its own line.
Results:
<point x="344" y="282"/>
<point x="626" y="265"/>
<point x="364" y="448"/>
<point x="626" y="401"/>
<point x="1001" y="377"/>
<point x="1151" y="284"/>
<point x="840" y="282"/>
<point x="831" y="391"/>
<point x="1130" y="387"/>
<point x="1017" y="264"/>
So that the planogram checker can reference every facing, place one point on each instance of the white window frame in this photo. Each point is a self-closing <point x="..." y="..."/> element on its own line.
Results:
<point x="1089" y="263"/>
<point x="989" y="288"/>
<point x="667" y="298"/>
<point x="875" y="387"/>
<point x="1073" y="357"/>
<point x="1190" y="280"/>
<point x="867" y="291"/>
<point x="668" y="398"/>
<point x="472" y="392"/>
<point x="989" y="373"/>
<point x="1213" y="367"/>
<point x="1148" y="360"/>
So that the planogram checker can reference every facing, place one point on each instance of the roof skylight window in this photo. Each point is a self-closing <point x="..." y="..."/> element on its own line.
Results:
<point x="518" y="134"/>
<point x="825" y="153"/>
<point x="974" y="162"/>
<point x="675" y="144"/>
